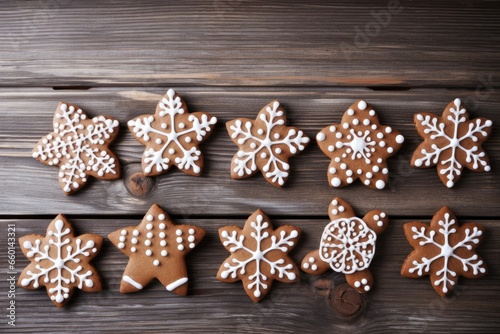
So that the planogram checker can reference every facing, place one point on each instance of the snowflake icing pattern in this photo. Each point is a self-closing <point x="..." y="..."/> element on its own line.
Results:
<point x="452" y="142"/>
<point x="60" y="262"/>
<point x="259" y="249"/>
<point x="444" y="251"/>
<point x="265" y="143"/>
<point x="172" y="136"/>
<point x="79" y="146"/>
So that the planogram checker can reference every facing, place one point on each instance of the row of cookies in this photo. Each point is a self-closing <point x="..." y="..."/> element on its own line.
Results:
<point x="358" y="146"/>
<point x="156" y="248"/>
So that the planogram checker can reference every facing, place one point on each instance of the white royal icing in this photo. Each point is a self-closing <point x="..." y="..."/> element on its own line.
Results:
<point x="265" y="146"/>
<point x="130" y="281"/>
<point x="74" y="138"/>
<point x="59" y="255"/>
<point x="173" y="141"/>
<point x="436" y="129"/>
<point x="176" y="284"/>
<point x="447" y="252"/>
<point x="258" y="277"/>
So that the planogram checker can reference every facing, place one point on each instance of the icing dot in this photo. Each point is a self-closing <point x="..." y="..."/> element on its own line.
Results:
<point x="180" y="247"/>
<point x="336" y="182"/>
<point x="158" y="141"/>
<point x="341" y="208"/>
<point x="367" y="288"/>
<point x="376" y="217"/>
<point x="366" y="121"/>
<point x="332" y="128"/>
<point x="150" y="235"/>
<point x="133" y="249"/>
<point x="333" y="170"/>
<point x="331" y="148"/>
<point x="348" y="172"/>
<point x="192" y="245"/>
<point x="335" y="202"/>
<point x="361" y="105"/>
<point x="179" y="240"/>
<point x="253" y="145"/>
<point x="338" y="135"/>
<point x="343" y="166"/>
<point x="400" y="139"/>
<point x="380" y="184"/>
<point x="357" y="284"/>
<point x="149" y="226"/>
<point x="385" y="171"/>
<point x="372" y="113"/>
<point x="359" y="171"/>
<point x="122" y="238"/>
<point x="364" y="281"/>
<point x="276" y="136"/>
<point x="163" y="243"/>
<point x="161" y="235"/>
<point x="263" y="155"/>
<point x="277" y="150"/>
<point x="124" y="232"/>
<point x="182" y="125"/>
<point x="156" y="263"/>
<point x="149" y="252"/>
<point x="163" y="125"/>
<point x="191" y="238"/>
<point x="121" y="245"/>
<point x="191" y="231"/>
<point x="367" y="182"/>
<point x="390" y="150"/>
<point x="375" y="169"/>
<point x="382" y="214"/>
<point x="135" y="232"/>
<point x="134" y="241"/>
<point x="314" y="267"/>
<point x="162" y="226"/>
<point x="171" y="151"/>
<point x="380" y="223"/>
<point x="260" y="131"/>
<point x="449" y="184"/>
<point x="369" y="175"/>
<point x="150" y="218"/>
<point x="388" y="129"/>
<point x="335" y="212"/>
<point x="350" y="112"/>
<point x="320" y="136"/>
<point x="178" y="232"/>
<point x="350" y="180"/>
<point x="164" y="253"/>
<point x="305" y="265"/>
<point x="161" y="217"/>
<point x="487" y="168"/>
<point x="147" y="242"/>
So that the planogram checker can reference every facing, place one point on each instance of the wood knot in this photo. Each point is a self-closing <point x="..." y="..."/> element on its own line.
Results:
<point x="136" y="182"/>
<point x="346" y="300"/>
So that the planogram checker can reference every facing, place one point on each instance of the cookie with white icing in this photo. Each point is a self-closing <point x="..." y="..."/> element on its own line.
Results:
<point x="359" y="147"/>
<point x="60" y="261"/>
<point x="259" y="255"/>
<point x="452" y="142"/>
<point x="265" y="144"/>
<point x="172" y="136"/>
<point x="156" y="248"/>
<point x="79" y="146"/>
<point x="347" y="245"/>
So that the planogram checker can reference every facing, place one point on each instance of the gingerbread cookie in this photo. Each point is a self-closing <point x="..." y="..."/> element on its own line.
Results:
<point x="265" y="143"/>
<point x="258" y="255"/>
<point x="452" y="142"/>
<point x="60" y="261"/>
<point x="444" y="251"/>
<point x="156" y="248"/>
<point x="171" y="136"/>
<point x="359" y="147"/>
<point x="347" y="245"/>
<point x="79" y="146"/>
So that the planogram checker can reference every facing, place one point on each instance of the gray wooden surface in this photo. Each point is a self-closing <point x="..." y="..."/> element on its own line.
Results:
<point x="230" y="58"/>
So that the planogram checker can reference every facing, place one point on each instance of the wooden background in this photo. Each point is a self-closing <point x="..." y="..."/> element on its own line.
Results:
<point x="230" y="58"/>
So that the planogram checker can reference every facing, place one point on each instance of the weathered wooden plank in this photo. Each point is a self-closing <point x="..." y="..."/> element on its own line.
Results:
<point x="27" y="115"/>
<point x="396" y="303"/>
<point x="370" y="43"/>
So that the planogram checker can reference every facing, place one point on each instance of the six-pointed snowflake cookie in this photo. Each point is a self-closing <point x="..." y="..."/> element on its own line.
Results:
<point x="359" y="147"/>
<point x="156" y="248"/>
<point x="347" y="245"/>
<point x="259" y="255"/>
<point x="171" y="136"/>
<point x="444" y="251"/>
<point x="60" y="261"/>
<point x="452" y="142"/>
<point x="79" y="146"/>
<point x="265" y="144"/>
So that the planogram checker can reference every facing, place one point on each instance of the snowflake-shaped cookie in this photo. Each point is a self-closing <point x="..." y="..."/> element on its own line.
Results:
<point x="347" y="245"/>
<point x="265" y="143"/>
<point x="172" y="136"/>
<point x="156" y="248"/>
<point x="359" y="147"/>
<point x="452" y="142"/>
<point x="444" y="251"/>
<point x="60" y="261"/>
<point x="258" y="255"/>
<point x="79" y="145"/>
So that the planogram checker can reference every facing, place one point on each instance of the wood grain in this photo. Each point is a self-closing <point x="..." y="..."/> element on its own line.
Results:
<point x="396" y="303"/>
<point x="33" y="187"/>
<point x="250" y="43"/>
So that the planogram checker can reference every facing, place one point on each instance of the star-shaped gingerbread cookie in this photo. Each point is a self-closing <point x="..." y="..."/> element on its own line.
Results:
<point x="60" y="261"/>
<point x="172" y="136"/>
<point x="347" y="245"/>
<point x="79" y="146"/>
<point x="156" y="248"/>
<point x="259" y="255"/>
<point x="359" y="147"/>
<point x="444" y="250"/>
<point x="265" y="144"/>
<point x="452" y="142"/>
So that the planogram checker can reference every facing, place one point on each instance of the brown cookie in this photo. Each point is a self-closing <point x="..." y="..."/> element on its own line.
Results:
<point x="258" y="255"/>
<point x="171" y="136"/>
<point x="156" y="248"/>
<point x="60" y="261"/>
<point x="444" y="251"/>
<point x="452" y="142"/>
<point x="347" y="245"/>
<point x="79" y="146"/>
<point x="265" y="144"/>
<point x="359" y="147"/>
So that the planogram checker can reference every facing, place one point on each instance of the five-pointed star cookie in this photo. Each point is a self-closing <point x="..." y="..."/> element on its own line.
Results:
<point x="444" y="250"/>
<point x="60" y="261"/>
<point x="171" y="136"/>
<point x="79" y="145"/>
<point x="258" y="255"/>
<point x="156" y="248"/>
<point x="452" y="142"/>
<point x="359" y="147"/>
<point x="265" y="143"/>
<point x="347" y="245"/>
